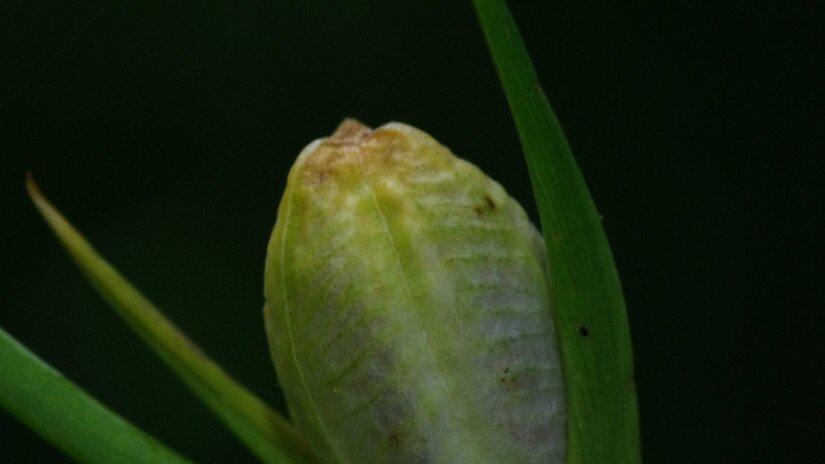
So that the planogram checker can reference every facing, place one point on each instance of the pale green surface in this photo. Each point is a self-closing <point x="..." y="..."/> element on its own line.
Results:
<point x="67" y="416"/>
<point x="409" y="314"/>
<point x="603" y="421"/>
<point x="265" y="432"/>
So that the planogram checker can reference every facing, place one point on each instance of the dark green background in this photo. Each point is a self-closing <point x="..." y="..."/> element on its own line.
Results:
<point x="164" y="131"/>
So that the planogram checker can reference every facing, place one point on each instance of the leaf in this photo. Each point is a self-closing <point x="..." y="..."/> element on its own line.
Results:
<point x="597" y="362"/>
<point x="264" y="431"/>
<point x="67" y="416"/>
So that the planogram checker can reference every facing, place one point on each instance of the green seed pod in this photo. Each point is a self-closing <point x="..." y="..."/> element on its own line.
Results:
<point x="407" y="307"/>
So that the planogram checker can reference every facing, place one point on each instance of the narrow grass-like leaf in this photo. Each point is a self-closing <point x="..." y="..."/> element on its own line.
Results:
<point x="585" y="290"/>
<point x="263" y="430"/>
<point x="67" y="416"/>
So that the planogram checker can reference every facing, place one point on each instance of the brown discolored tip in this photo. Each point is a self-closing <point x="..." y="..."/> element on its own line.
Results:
<point x="350" y="131"/>
<point x="31" y="185"/>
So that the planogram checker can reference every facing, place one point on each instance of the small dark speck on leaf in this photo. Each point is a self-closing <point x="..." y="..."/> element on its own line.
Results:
<point x="509" y="382"/>
<point x="394" y="441"/>
<point x="490" y="203"/>
<point x="488" y="206"/>
<point x="583" y="330"/>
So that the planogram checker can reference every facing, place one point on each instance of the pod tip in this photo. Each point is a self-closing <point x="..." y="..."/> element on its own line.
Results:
<point x="350" y="131"/>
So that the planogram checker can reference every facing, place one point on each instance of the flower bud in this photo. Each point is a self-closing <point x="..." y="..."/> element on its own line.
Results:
<point x="407" y="307"/>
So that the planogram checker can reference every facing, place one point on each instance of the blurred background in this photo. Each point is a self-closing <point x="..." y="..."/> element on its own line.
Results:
<point x="164" y="131"/>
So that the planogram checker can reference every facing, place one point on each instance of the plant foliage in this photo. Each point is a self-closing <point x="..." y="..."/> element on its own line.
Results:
<point x="597" y="360"/>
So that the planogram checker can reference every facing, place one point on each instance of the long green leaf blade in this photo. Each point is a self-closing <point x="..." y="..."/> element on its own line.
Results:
<point x="264" y="431"/>
<point x="587" y="297"/>
<point x="67" y="416"/>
